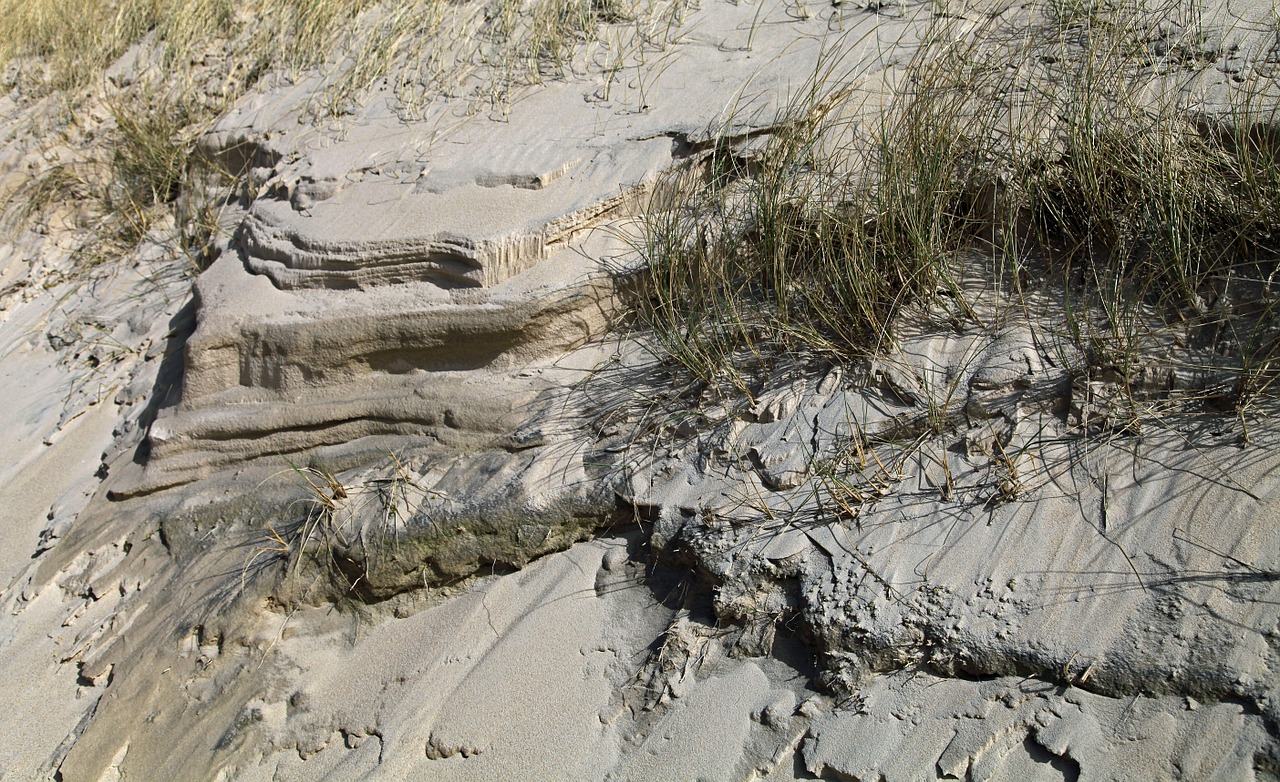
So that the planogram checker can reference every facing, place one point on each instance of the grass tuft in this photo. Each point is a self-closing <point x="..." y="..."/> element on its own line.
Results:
<point x="1087" y="153"/>
<point x="122" y="89"/>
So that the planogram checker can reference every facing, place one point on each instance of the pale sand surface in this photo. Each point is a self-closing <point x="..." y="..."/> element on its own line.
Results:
<point x="519" y="585"/>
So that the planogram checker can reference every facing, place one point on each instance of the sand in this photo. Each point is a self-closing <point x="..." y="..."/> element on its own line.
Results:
<point x="381" y="493"/>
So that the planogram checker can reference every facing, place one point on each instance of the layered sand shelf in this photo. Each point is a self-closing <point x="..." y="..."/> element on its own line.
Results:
<point x="474" y="233"/>
<point x="390" y="269"/>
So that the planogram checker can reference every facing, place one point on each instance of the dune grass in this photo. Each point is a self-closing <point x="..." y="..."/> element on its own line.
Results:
<point x="66" y="45"/>
<point x="219" y="48"/>
<point x="1087" y="152"/>
<point x="121" y="90"/>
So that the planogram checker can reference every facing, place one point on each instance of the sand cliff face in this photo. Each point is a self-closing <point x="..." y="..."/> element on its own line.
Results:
<point x="381" y="265"/>
<point x="388" y="491"/>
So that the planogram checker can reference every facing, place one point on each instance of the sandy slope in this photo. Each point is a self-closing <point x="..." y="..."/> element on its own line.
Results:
<point x="534" y="586"/>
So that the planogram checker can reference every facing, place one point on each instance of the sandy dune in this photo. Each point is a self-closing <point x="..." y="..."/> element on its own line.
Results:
<point x="386" y="493"/>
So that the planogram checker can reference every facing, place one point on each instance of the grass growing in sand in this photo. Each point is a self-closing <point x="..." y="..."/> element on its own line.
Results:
<point x="127" y="87"/>
<point x="1093" y="155"/>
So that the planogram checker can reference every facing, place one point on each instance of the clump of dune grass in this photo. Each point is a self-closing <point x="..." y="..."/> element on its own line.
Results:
<point x="123" y="89"/>
<point x="120" y="90"/>
<point x="66" y="46"/>
<point x="846" y="216"/>
<point x="1085" y="152"/>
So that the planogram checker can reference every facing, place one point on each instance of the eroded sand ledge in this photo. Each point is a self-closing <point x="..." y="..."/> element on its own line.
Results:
<point x="393" y="393"/>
